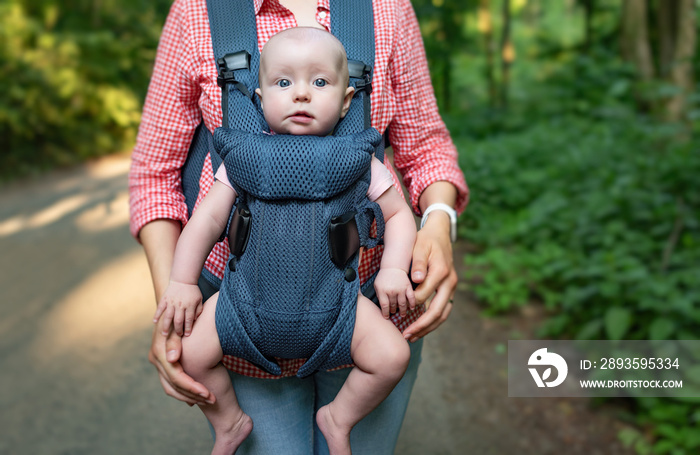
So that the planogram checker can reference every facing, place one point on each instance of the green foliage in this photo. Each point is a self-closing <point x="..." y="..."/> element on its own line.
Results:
<point x="580" y="199"/>
<point x="676" y="424"/>
<point x="75" y="76"/>
<point x="583" y="203"/>
<point x="582" y="214"/>
<point x="443" y="28"/>
<point x="600" y="220"/>
<point x="597" y="85"/>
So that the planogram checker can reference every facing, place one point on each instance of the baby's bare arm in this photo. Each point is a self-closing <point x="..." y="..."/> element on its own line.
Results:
<point x="182" y="301"/>
<point x="392" y="285"/>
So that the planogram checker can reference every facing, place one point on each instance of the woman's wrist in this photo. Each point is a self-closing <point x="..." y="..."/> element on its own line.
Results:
<point x="445" y="209"/>
<point x="439" y="220"/>
<point x="435" y="202"/>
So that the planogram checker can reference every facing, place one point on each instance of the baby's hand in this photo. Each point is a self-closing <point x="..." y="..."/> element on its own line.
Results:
<point x="181" y="303"/>
<point x="394" y="291"/>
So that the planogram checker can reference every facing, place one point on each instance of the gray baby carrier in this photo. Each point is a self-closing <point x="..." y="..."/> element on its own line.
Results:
<point x="301" y="215"/>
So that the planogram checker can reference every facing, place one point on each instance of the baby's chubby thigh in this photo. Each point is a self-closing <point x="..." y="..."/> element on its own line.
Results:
<point x="201" y="351"/>
<point x="377" y="344"/>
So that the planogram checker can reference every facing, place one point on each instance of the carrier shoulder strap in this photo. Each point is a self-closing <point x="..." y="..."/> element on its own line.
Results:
<point x="352" y="22"/>
<point x="235" y="46"/>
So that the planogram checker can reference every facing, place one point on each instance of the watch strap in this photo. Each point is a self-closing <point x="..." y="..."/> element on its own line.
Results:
<point x="452" y="213"/>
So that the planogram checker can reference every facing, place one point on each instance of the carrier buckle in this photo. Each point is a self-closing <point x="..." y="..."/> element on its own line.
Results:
<point x="230" y="63"/>
<point x="343" y="238"/>
<point x="359" y="70"/>
<point x="239" y="230"/>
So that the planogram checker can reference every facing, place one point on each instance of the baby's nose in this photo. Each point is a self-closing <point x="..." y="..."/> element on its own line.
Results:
<point x="301" y="92"/>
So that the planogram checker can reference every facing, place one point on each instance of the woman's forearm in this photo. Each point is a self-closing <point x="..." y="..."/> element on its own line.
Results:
<point x="159" y="239"/>
<point x="438" y="192"/>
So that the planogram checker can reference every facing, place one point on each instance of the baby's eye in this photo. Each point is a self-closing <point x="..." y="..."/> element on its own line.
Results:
<point x="320" y="82"/>
<point x="284" y="83"/>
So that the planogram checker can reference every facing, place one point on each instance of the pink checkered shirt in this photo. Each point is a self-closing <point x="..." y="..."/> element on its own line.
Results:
<point x="183" y="90"/>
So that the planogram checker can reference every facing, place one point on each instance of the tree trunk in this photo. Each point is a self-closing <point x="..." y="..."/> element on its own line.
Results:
<point x="634" y="43"/>
<point x="451" y="35"/>
<point x="507" y="54"/>
<point x="486" y="28"/>
<point x="589" y="10"/>
<point x="681" y="68"/>
<point x="447" y="84"/>
<point x="666" y="28"/>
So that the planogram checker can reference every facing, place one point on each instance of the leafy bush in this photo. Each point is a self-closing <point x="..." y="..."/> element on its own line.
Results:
<point x="593" y="218"/>
<point x="600" y="221"/>
<point x="597" y="85"/>
<point x="75" y="76"/>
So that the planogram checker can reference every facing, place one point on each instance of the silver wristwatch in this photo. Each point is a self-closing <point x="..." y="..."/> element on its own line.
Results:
<point x="450" y="212"/>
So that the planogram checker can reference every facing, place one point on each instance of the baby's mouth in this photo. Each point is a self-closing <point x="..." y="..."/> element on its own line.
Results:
<point x="301" y="117"/>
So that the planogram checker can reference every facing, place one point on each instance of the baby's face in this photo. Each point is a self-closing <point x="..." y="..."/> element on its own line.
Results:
<point x="302" y="87"/>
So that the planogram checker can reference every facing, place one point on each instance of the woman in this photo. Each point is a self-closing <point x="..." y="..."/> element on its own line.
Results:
<point x="183" y="89"/>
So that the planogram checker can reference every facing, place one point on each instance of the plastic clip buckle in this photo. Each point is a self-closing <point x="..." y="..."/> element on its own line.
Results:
<point x="359" y="70"/>
<point x="228" y="64"/>
<point x="343" y="238"/>
<point x="239" y="231"/>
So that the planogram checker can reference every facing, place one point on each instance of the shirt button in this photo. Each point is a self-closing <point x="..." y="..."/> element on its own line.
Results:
<point x="322" y="14"/>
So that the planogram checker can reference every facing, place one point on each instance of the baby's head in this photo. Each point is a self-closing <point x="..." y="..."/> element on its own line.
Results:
<point x="304" y="82"/>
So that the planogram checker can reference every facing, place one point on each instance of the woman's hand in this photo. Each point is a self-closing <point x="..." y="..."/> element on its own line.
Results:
<point x="159" y="238"/>
<point x="165" y="356"/>
<point x="433" y="270"/>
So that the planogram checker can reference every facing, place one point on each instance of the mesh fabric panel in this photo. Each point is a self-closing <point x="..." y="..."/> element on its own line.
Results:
<point x="285" y="297"/>
<point x="286" y="292"/>
<point x="295" y="167"/>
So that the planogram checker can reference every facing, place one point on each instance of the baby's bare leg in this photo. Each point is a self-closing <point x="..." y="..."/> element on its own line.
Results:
<point x="381" y="356"/>
<point x="201" y="359"/>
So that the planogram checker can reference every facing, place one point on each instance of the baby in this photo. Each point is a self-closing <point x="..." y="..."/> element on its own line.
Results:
<point x="304" y="91"/>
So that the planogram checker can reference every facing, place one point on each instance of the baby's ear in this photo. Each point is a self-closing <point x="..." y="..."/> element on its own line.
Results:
<point x="259" y="93"/>
<point x="349" y="92"/>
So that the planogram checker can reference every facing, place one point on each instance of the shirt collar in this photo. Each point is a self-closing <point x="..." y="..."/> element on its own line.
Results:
<point x="321" y="4"/>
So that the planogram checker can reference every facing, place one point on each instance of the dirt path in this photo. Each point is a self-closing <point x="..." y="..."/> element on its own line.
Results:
<point x="76" y="303"/>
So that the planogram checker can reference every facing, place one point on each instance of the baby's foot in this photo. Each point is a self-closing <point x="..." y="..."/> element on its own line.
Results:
<point x="337" y="438"/>
<point x="227" y="442"/>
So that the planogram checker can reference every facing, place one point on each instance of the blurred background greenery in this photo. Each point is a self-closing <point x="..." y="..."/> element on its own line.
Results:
<point x="73" y="75"/>
<point x="577" y="124"/>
